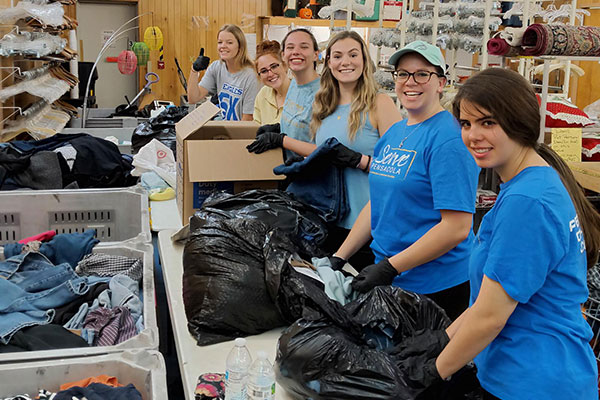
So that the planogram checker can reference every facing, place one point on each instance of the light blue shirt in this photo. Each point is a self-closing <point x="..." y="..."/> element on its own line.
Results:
<point x="297" y="109"/>
<point x="417" y="171"/>
<point x="355" y="180"/>
<point x="531" y="243"/>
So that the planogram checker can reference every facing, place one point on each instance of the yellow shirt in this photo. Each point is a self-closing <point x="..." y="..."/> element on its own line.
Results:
<point x="265" y="107"/>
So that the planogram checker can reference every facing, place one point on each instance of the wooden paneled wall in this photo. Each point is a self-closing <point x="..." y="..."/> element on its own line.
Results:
<point x="188" y="25"/>
<point x="588" y="86"/>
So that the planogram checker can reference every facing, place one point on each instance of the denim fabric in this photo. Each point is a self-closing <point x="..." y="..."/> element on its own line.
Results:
<point x="318" y="183"/>
<point x="63" y="248"/>
<point x="31" y="288"/>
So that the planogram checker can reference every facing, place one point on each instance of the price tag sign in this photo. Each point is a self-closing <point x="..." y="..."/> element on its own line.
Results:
<point x="567" y="143"/>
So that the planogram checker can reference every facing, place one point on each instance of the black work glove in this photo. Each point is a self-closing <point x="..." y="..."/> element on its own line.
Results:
<point x="380" y="274"/>
<point x="266" y="141"/>
<point x="268" y="128"/>
<point x="343" y="157"/>
<point x="201" y="62"/>
<point x="428" y="343"/>
<point x="420" y="375"/>
<point x="294" y="158"/>
<point x="337" y="263"/>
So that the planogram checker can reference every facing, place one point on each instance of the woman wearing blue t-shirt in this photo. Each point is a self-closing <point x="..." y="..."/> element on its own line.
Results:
<point x="422" y="188"/>
<point x="348" y="108"/>
<point x="524" y="328"/>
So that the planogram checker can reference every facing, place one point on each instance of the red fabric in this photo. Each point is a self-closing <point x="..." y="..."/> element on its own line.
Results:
<point x="559" y="115"/>
<point x="591" y="144"/>
<point x="42" y="237"/>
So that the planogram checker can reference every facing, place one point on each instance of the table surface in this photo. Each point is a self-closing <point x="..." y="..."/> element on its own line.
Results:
<point x="195" y="360"/>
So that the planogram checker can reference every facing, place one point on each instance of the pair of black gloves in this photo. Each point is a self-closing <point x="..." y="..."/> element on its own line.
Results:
<point x="270" y="137"/>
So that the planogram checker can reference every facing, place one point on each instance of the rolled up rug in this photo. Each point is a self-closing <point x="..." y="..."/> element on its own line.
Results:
<point x="499" y="47"/>
<point x="513" y="36"/>
<point x="561" y="40"/>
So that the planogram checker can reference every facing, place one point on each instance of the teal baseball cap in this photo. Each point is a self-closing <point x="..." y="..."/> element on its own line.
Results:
<point x="430" y="52"/>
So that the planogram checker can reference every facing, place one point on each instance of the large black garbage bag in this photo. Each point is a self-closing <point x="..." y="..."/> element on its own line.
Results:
<point x="295" y="294"/>
<point x="320" y="359"/>
<point x="224" y="290"/>
<point x="161" y="128"/>
<point x="277" y="210"/>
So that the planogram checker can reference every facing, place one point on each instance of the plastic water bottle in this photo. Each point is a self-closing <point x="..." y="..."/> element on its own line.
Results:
<point x="261" y="382"/>
<point x="236" y="371"/>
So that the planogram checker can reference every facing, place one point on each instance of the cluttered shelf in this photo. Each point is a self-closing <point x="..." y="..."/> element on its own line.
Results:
<point x="262" y="21"/>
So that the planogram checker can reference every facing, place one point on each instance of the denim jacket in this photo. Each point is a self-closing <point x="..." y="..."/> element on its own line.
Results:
<point x="31" y="288"/>
<point x="317" y="182"/>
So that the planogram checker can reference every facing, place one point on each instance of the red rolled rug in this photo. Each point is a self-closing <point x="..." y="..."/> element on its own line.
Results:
<point x="500" y="47"/>
<point x="561" y="40"/>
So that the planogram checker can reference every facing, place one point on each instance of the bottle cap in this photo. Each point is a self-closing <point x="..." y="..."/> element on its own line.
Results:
<point x="240" y="342"/>
<point x="262" y="355"/>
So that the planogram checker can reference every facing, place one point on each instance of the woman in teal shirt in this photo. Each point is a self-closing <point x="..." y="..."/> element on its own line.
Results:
<point x="524" y="328"/>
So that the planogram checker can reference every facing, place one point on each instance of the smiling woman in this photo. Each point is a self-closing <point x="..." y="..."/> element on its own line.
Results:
<point x="231" y="77"/>
<point x="272" y="72"/>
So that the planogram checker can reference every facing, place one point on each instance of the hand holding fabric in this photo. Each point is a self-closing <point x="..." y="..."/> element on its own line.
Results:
<point x="337" y="263"/>
<point x="343" y="157"/>
<point x="380" y="274"/>
<point x="266" y="141"/>
<point x="201" y="62"/>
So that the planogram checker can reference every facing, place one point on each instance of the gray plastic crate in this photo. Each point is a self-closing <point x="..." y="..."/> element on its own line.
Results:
<point x="116" y="214"/>
<point x="123" y="134"/>
<point x="146" y="339"/>
<point x="144" y="369"/>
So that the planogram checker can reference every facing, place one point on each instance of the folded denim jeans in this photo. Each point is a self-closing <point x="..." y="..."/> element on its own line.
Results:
<point x="319" y="183"/>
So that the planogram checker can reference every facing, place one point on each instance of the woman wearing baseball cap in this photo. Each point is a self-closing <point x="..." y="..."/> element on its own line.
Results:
<point x="422" y="186"/>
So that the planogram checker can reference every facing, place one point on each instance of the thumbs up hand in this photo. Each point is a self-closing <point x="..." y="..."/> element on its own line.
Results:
<point x="201" y="62"/>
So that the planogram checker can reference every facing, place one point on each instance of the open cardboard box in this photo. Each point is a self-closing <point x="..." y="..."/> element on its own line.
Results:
<point x="212" y="155"/>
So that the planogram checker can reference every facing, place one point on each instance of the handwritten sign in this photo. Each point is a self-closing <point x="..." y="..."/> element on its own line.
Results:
<point x="567" y="143"/>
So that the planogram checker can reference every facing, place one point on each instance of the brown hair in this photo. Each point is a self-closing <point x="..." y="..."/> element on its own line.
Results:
<point x="511" y="100"/>
<point x="328" y="97"/>
<point x="270" y="47"/>
<point x="309" y="33"/>
<point x="241" y="57"/>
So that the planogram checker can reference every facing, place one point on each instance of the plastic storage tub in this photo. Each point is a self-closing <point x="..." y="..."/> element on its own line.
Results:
<point x="116" y="214"/>
<point x="122" y="134"/>
<point x="144" y="369"/>
<point x="146" y="339"/>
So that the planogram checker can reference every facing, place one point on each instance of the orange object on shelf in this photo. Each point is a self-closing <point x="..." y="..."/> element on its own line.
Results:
<point x="305" y="13"/>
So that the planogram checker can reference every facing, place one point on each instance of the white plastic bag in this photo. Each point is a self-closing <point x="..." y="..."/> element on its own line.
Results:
<point x="156" y="157"/>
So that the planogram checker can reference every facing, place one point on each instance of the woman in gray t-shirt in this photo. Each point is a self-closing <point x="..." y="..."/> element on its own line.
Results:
<point x="232" y="77"/>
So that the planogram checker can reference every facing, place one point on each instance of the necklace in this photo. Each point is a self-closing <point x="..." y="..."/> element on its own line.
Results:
<point x="410" y="133"/>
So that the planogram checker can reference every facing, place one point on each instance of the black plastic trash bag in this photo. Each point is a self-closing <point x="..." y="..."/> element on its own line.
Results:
<point x="161" y="128"/>
<point x="320" y="359"/>
<point x="224" y="291"/>
<point x="277" y="210"/>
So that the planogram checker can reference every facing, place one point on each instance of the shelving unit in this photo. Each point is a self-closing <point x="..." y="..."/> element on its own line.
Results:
<point x="262" y="21"/>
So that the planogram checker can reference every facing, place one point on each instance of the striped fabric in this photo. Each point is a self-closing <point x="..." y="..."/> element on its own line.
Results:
<point x="110" y="326"/>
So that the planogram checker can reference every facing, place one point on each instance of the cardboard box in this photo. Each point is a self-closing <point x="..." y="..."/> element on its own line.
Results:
<point x="212" y="155"/>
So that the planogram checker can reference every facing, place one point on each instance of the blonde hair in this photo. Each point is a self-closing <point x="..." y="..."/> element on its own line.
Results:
<point x="328" y="97"/>
<point x="269" y="47"/>
<point x="241" y="57"/>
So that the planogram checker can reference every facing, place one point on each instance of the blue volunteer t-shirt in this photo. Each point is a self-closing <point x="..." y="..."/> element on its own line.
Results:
<point x="297" y="109"/>
<point x="410" y="184"/>
<point x="531" y="243"/>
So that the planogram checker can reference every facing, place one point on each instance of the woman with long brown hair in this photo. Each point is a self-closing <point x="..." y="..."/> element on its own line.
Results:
<point x="524" y="328"/>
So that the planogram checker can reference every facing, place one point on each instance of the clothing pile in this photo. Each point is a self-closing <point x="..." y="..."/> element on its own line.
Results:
<point x="101" y="387"/>
<point x="58" y="294"/>
<point x="64" y="161"/>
